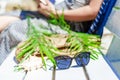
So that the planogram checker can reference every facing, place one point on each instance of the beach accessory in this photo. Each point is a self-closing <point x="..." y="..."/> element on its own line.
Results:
<point x="64" y="62"/>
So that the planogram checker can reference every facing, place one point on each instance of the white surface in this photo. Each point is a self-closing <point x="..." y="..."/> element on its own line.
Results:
<point x="2" y="6"/>
<point x="69" y="74"/>
<point x="58" y="1"/>
<point x="97" y="70"/>
<point x="7" y="69"/>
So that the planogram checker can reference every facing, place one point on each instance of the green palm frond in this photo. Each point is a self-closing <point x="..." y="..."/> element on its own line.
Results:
<point x="78" y="42"/>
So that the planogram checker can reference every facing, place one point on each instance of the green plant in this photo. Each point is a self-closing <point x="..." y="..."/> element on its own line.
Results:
<point x="78" y="42"/>
<point x="117" y="7"/>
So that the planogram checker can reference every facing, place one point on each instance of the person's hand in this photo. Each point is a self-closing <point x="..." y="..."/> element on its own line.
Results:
<point x="46" y="9"/>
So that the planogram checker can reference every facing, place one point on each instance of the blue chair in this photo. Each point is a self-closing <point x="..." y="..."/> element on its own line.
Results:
<point x="99" y="23"/>
<point x="102" y="17"/>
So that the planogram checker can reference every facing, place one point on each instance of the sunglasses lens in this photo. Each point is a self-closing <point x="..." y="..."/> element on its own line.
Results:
<point x="63" y="62"/>
<point x="83" y="58"/>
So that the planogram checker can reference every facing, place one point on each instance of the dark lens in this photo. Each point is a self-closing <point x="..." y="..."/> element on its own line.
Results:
<point x="83" y="58"/>
<point x="63" y="62"/>
<point x="53" y="1"/>
<point x="70" y="1"/>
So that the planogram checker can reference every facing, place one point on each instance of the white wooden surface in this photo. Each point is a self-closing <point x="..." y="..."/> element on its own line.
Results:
<point x="97" y="70"/>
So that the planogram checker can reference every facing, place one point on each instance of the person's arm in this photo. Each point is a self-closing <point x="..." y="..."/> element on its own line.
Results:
<point x="84" y="13"/>
<point x="6" y="20"/>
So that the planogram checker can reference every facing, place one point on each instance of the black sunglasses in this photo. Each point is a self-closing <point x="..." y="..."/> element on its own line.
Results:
<point x="64" y="62"/>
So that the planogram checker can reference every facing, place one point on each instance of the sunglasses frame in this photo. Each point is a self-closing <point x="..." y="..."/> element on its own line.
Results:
<point x="81" y="55"/>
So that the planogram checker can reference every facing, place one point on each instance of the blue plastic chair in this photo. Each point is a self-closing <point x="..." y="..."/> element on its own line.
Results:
<point x="102" y="17"/>
<point x="99" y="23"/>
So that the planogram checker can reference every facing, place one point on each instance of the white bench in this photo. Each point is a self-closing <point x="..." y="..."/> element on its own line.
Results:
<point x="96" y="69"/>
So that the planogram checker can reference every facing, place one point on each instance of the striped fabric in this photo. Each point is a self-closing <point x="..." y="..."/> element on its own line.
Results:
<point x="101" y="19"/>
<point x="16" y="31"/>
<point x="10" y="37"/>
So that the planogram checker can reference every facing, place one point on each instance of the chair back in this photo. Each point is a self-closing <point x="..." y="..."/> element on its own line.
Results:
<point x="102" y="17"/>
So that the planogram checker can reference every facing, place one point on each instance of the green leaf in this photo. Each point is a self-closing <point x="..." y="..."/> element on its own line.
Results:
<point x="117" y="7"/>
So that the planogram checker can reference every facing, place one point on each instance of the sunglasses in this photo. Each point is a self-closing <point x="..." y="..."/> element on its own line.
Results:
<point x="64" y="62"/>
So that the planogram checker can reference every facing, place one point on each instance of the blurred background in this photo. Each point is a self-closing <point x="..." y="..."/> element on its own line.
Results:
<point x="8" y="5"/>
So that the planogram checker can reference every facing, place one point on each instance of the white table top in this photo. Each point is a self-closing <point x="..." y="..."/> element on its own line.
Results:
<point x="97" y="70"/>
